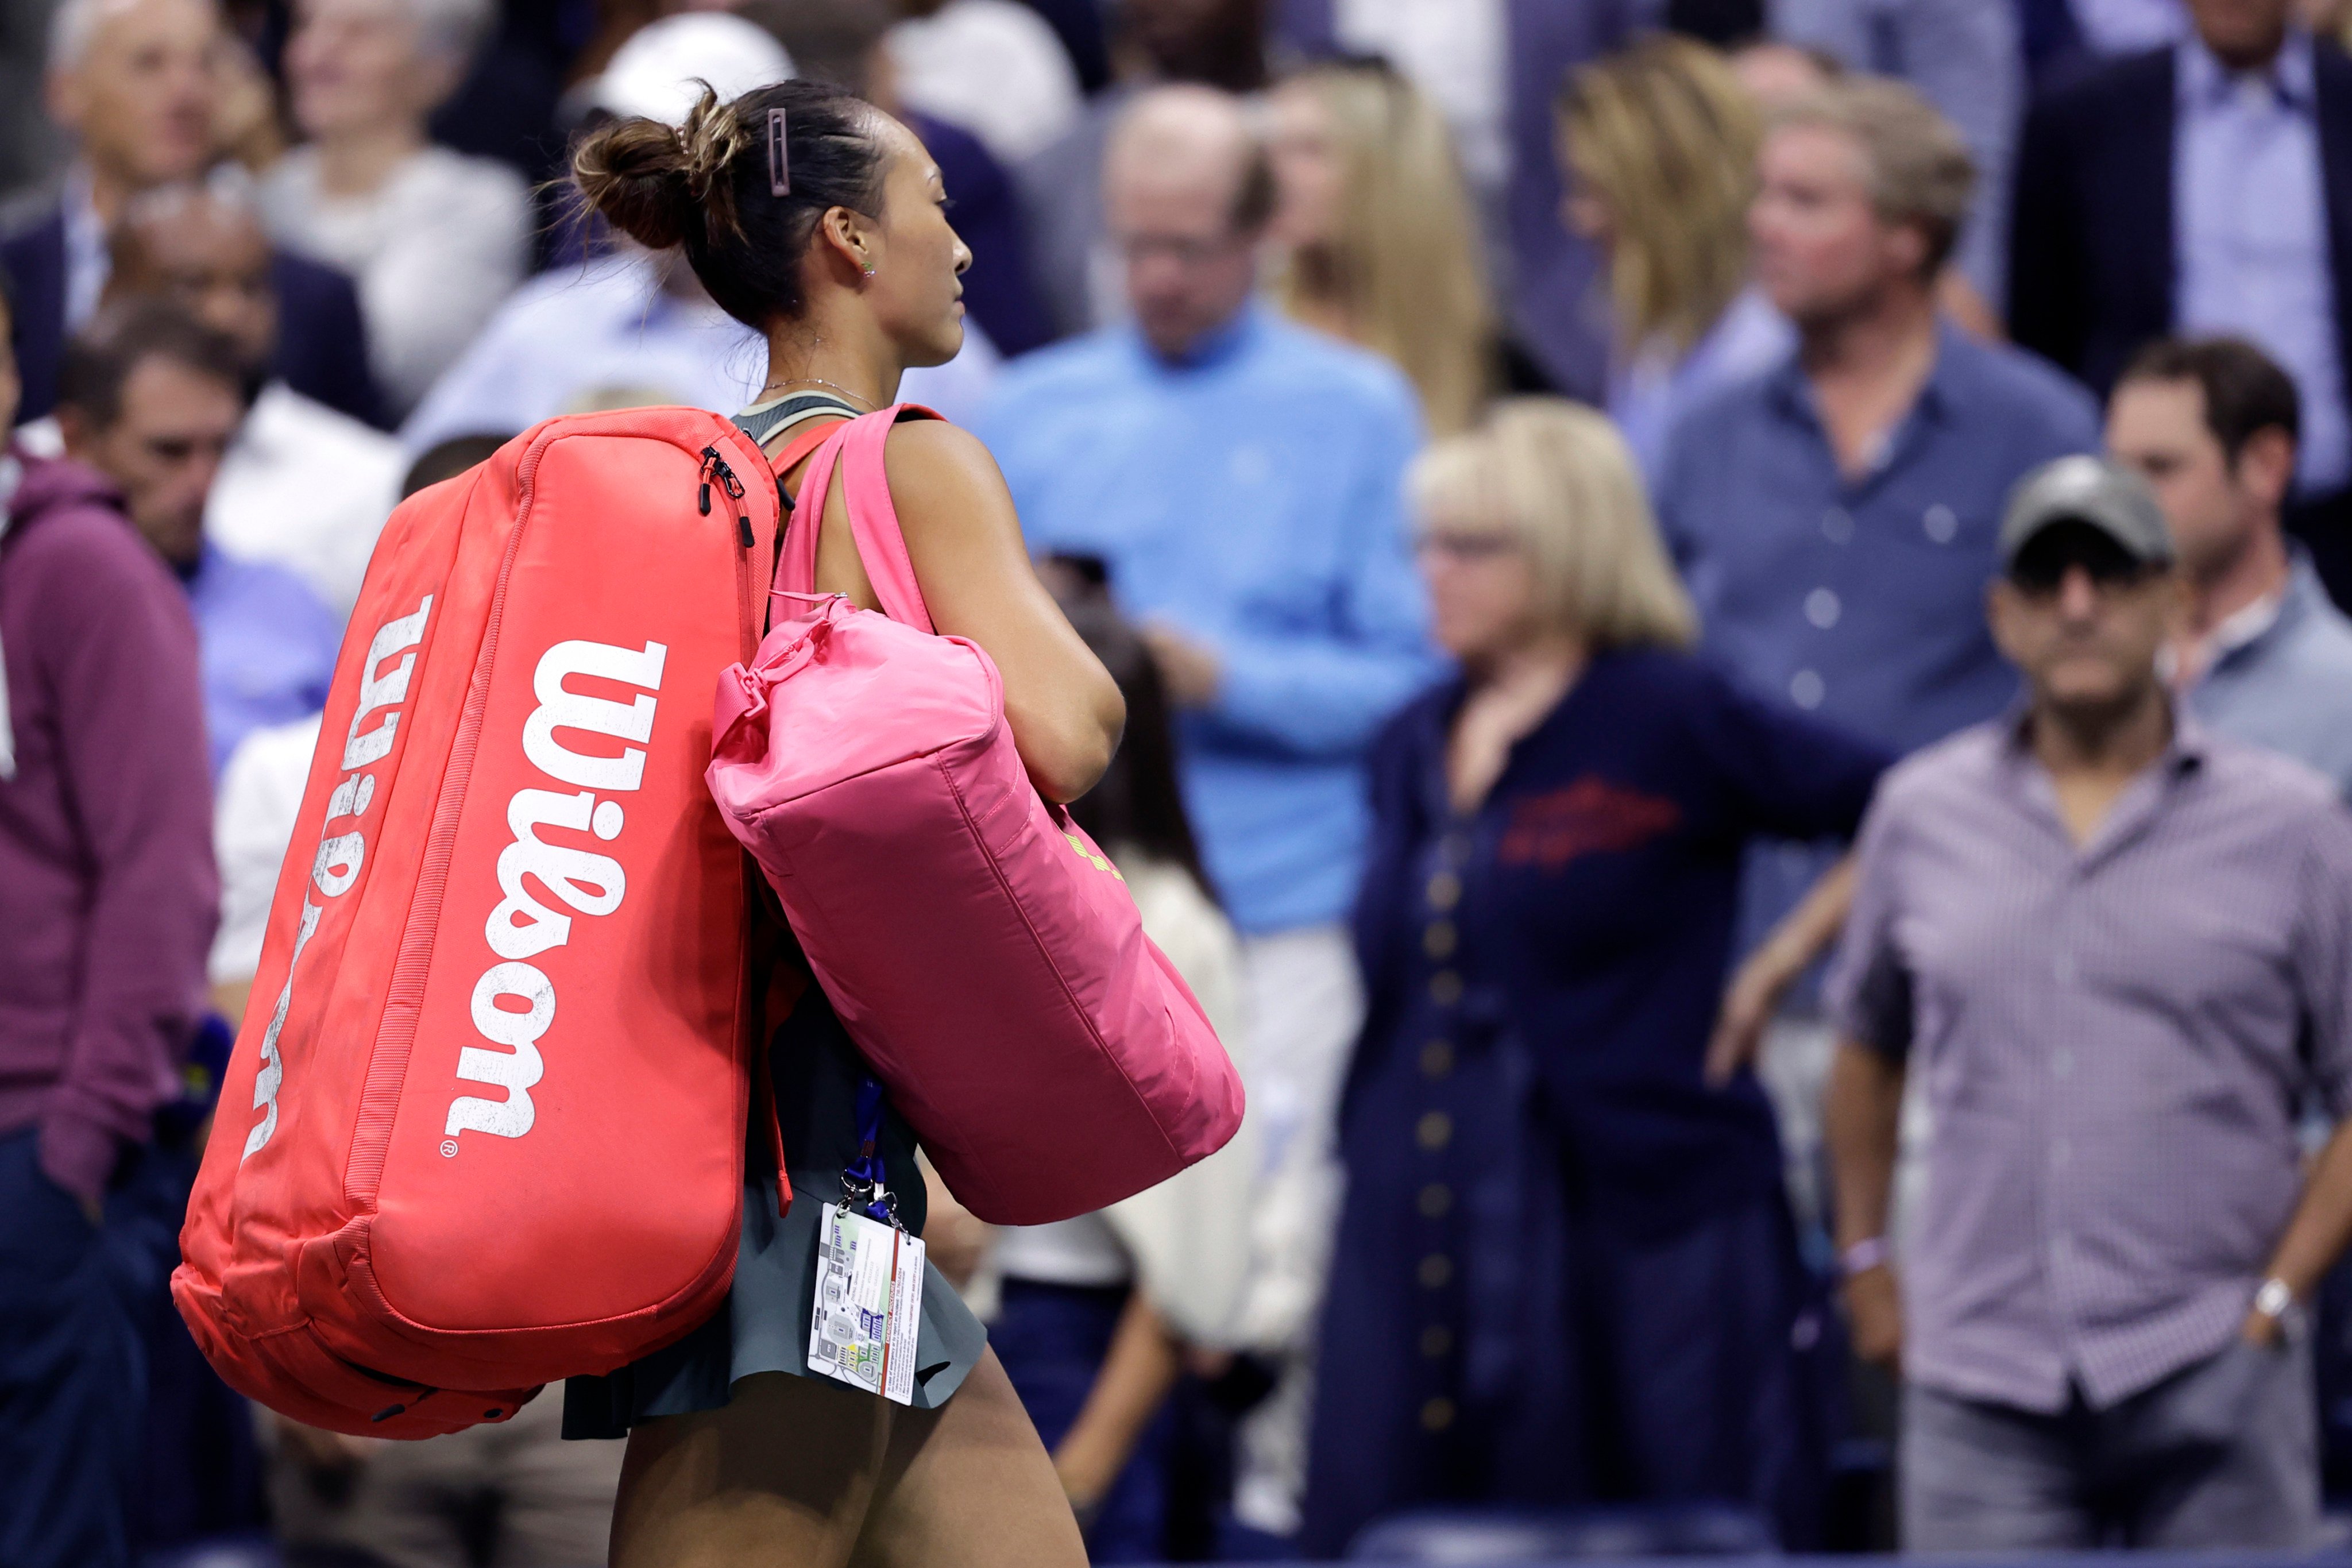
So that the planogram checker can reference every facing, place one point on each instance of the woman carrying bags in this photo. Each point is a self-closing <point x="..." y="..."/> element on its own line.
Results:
<point x="819" y="221"/>
<point x="1565" y="1272"/>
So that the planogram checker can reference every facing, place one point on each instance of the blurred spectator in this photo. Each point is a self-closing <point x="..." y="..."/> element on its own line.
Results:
<point x="302" y="486"/>
<point x="1220" y="43"/>
<point x="135" y="83"/>
<point x="2211" y="424"/>
<point x="1095" y="1312"/>
<point x="1239" y="476"/>
<point x="449" y="459"/>
<point x="2187" y="190"/>
<point x="628" y="331"/>
<point x="107" y="900"/>
<point x="1835" y="519"/>
<point x="658" y="70"/>
<point x="1451" y="49"/>
<point x="843" y="42"/>
<point x="1661" y="146"/>
<point x="259" y="796"/>
<point x="435" y="239"/>
<point x="1963" y="57"/>
<point x="32" y="150"/>
<point x="631" y="329"/>
<point x="2127" y="27"/>
<point x="1085" y="38"/>
<point x="261" y="793"/>
<point x="1545" y="932"/>
<point x="153" y="400"/>
<point x="514" y="1492"/>
<point x="1779" y="76"/>
<point x="504" y="1493"/>
<point x="1379" y="243"/>
<point x="2122" y="951"/>
<point x="1494" y="66"/>
<point x="510" y="100"/>
<point x="994" y="67"/>
<point x="1777" y="73"/>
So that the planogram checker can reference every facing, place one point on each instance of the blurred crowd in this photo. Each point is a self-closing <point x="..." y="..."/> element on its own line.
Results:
<point x="1668" y="559"/>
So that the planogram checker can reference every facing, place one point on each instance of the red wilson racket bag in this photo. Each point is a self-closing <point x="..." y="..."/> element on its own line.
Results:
<point x="484" y="1125"/>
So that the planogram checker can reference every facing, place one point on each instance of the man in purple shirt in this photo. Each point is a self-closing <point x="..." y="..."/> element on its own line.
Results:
<point x="106" y="903"/>
<point x="2121" y="952"/>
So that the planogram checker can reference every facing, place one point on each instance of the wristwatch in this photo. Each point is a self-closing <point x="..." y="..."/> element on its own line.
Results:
<point x="2276" y="1299"/>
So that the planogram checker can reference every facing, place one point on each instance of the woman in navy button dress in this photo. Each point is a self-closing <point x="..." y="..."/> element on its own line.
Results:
<point x="1565" y="1272"/>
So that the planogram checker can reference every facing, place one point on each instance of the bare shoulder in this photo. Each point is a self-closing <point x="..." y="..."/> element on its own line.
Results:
<point x="927" y="448"/>
<point x="937" y="469"/>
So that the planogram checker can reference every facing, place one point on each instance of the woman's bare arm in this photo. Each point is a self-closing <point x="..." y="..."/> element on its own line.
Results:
<point x="964" y="539"/>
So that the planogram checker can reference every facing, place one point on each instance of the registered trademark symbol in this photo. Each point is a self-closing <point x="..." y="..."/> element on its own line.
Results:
<point x="449" y="1148"/>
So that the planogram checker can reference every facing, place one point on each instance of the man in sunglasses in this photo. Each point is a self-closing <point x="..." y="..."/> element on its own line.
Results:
<point x="2121" y="951"/>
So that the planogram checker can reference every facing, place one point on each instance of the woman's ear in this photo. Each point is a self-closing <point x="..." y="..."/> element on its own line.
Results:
<point x="840" y="234"/>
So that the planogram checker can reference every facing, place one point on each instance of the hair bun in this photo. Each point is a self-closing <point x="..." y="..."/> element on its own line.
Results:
<point x="639" y="174"/>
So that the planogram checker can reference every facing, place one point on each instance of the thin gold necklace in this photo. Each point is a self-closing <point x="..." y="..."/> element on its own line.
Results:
<point x="820" y="381"/>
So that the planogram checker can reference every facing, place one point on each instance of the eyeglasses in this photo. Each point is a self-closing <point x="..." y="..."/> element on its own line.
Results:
<point x="2040" y="569"/>
<point x="1465" y="547"/>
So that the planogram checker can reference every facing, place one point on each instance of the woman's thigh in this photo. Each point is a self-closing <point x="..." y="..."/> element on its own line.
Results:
<point x="783" y="1476"/>
<point x="797" y="1472"/>
<point x="969" y="1486"/>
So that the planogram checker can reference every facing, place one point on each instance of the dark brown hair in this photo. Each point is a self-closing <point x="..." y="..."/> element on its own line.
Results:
<point x="2245" y="391"/>
<point x="103" y="358"/>
<point x="705" y="187"/>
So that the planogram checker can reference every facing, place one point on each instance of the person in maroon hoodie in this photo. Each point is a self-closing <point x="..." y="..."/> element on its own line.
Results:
<point x="108" y="898"/>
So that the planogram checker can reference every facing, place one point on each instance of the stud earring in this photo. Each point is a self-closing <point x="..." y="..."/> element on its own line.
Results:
<point x="870" y="269"/>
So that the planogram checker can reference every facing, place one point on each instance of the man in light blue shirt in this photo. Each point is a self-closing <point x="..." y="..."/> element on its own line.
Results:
<point x="2250" y="231"/>
<point x="2201" y="188"/>
<point x="1241" y="481"/>
<point x="2211" y="424"/>
<point x="1242" y="478"/>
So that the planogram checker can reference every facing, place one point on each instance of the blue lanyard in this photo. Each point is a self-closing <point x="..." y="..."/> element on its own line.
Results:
<point x="864" y="1175"/>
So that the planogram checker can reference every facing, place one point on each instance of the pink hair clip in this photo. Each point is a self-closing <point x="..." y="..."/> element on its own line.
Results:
<point x="780" y="162"/>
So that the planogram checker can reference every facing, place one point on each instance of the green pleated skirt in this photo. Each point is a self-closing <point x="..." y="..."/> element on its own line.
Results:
<point x="763" y="1324"/>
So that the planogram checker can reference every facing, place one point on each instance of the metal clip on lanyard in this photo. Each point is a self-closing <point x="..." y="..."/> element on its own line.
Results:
<point x="863" y="1185"/>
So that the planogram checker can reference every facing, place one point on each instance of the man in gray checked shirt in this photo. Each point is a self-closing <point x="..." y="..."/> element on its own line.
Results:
<point x="2120" y="950"/>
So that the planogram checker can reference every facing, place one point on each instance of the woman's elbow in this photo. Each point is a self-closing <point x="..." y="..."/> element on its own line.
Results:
<point x="1074" y="758"/>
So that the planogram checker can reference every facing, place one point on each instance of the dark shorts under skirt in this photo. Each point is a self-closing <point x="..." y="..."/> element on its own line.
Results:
<point x="763" y="1325"/>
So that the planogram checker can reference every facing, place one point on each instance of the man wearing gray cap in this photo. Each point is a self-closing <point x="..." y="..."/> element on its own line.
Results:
<point x="2121" y="951"/>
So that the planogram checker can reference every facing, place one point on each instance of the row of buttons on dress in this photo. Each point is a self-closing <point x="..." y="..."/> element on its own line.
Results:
<point x="1433" y="1131"/>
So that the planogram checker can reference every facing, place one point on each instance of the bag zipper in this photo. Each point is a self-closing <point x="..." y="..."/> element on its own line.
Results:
<point x="714" y="467"/>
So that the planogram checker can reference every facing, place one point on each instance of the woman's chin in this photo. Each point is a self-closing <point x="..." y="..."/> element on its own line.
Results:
<point x="943" y="345"/>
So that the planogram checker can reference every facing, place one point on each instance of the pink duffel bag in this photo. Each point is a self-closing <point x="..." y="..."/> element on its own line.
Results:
<point x="982" y="952"/>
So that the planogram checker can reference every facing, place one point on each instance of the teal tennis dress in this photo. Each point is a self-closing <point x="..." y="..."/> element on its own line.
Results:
<point x="763" y="1325"/>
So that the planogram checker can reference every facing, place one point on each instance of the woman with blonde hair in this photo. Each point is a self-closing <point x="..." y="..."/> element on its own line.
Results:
<point x="1380" y="238"/>
<point x="1565" y="1272"/>
<point x="1658" y="143"/>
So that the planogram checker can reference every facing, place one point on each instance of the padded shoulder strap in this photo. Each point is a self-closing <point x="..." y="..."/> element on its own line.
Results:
<point x="854" y="450"/>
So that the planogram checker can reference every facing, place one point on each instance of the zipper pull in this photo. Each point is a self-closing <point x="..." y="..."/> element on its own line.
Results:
<point x="715" y="468"/>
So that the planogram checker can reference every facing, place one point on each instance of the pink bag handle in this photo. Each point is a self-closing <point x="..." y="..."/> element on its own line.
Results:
<point x="857" y="446"/>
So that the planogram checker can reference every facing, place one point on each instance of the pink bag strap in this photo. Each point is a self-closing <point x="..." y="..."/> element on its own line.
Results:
<point x="856" y="449"/>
